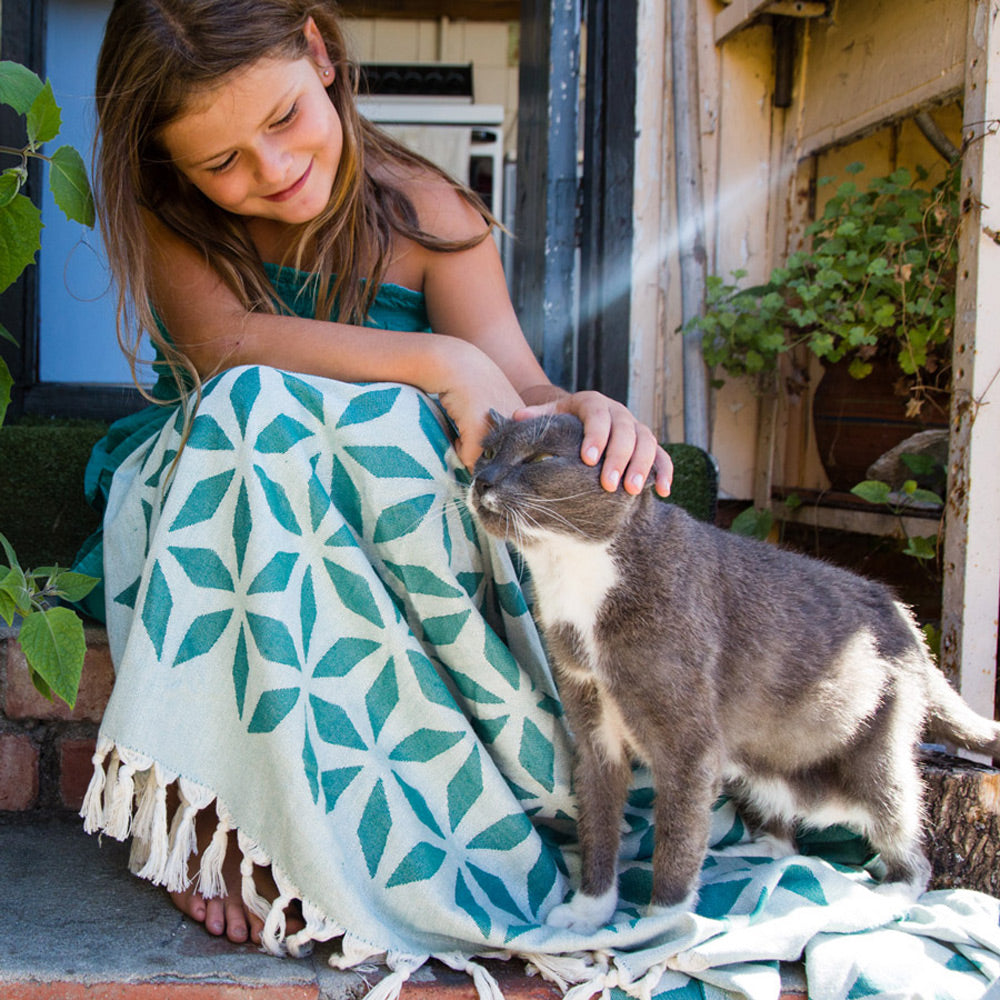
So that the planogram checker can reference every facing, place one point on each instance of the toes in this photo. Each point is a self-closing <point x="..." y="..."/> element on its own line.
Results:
<point x="190" y="904"/>
<point x="215" y="917"/>
<point x="236" y="922"/>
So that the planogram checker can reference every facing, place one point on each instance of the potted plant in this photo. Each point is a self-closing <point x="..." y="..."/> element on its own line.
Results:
<point x="50" y="635"/>
<point x="872" y="296"/>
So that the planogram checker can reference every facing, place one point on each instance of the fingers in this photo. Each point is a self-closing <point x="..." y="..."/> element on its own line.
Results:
<point x="663" y="468"/>
<point x="628" y="448"/>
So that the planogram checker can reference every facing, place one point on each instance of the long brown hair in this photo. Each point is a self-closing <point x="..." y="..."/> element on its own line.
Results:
<point x="155" y="56"/>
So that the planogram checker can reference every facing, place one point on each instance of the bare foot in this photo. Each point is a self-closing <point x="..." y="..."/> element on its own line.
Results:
<point x="227" y="915"/>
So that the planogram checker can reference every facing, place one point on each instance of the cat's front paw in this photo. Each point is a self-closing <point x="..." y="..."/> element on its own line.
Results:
<point x="584" y="914"/>
<point x="674" y="911"/>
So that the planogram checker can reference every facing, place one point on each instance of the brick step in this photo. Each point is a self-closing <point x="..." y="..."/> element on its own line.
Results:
<point x="46" y="748"/>
<point x="78" y="926"/>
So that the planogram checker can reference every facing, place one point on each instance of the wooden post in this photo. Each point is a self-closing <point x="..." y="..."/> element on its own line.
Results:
<point x="546" y="204"/>
<point x="972" y="520"/>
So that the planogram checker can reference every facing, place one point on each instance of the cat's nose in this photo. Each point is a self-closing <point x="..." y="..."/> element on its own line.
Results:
<point x="482" y="490"/>
<point x="486" y="477"/>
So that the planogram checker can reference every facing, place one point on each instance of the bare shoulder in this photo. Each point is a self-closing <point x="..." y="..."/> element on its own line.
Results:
<point x="441" y="210"/>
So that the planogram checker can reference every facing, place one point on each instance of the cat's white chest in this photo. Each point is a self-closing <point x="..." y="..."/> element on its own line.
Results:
<point x="572" y="579"/>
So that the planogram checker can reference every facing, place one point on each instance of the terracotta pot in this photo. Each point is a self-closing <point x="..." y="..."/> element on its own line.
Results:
<point x="858" y="420"/>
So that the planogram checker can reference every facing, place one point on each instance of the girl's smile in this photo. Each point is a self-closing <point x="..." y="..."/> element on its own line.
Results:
<point x="265" y="144"/>
<point x="290" y="192"/>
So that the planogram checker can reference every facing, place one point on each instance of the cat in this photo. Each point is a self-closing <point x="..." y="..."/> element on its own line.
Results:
<point x="722" y="663"/>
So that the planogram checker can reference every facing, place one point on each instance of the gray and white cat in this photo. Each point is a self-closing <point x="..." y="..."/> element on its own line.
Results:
<point x="720" y="662"/>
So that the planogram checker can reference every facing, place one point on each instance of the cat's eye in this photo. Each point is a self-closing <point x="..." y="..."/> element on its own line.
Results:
<point x="488" y="454"/>
<point x="540" y="457"/>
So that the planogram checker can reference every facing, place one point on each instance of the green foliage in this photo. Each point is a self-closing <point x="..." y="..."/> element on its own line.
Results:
<point x="51" y="637"/>
<point x="753" y="523"/>
<point x="901" y="502"/>
<point x="20" y="220"/>
<point x="878" y="280"/>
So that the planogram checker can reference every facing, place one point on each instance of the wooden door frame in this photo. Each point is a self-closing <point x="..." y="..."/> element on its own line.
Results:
<point x="559" y="212"/>
<point x="22" y="39"/>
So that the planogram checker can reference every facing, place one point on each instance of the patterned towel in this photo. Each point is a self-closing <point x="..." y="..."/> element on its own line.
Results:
<point x="312" y="635"/>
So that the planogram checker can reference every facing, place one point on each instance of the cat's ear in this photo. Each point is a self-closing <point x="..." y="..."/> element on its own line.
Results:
<point x="497" y="419"/>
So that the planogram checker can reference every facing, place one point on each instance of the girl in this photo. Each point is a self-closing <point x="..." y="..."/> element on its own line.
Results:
<point x="308" y="629"/>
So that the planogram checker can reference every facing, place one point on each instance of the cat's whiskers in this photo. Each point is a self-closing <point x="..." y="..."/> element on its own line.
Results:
<point x="588" y="530"/>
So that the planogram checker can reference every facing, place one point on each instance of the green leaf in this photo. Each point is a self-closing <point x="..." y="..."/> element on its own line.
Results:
<point x="926" y="496"/>
<point x="753" y="523"/>
<point x="18" y="86"/>
<point x="17" y="593"/>
<point x="921" y="548"/>
<point x="70" y="187"/>
<point x="7" y="607"/>
<point x="859" y="369"/>
<point x="44" y="119"/>
<point x="10" y="183"/>
<point x="872" y="490"/>
<point x="53" y="643"/>
<point x="20" y="232"/>
<point x="72" y="586"/>
<point x="6" y="384"/>
<point x="9" y="552"/>
<point x="40" y="686"/>
<point x="920" y="464"/>
<point x="5" y="334"/>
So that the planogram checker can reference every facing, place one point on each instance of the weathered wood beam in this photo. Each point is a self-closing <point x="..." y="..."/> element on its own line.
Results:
<point x="741" y="13"/>
<point x="457" y="10"/>
<point x="545" y="220"/>
<point x="864" y="72"/>
<point x="972" y="518"/>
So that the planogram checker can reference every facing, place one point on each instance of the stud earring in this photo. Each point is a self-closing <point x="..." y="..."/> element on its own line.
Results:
<point x="326" y="73"/>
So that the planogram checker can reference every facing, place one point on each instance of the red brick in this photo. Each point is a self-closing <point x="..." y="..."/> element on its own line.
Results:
<point x="21" y="699"/>
<point x="75" y="769"/>
<point x="156" y="991"/>
<point x="18" y="772"/>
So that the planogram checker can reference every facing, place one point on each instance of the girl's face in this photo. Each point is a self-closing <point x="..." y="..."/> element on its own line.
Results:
<point x="267" y="142"/>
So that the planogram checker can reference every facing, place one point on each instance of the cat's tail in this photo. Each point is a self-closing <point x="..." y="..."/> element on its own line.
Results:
<point x="950" y="719"/>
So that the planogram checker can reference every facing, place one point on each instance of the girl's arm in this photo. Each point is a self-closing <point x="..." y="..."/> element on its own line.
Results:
<point x="212" y="327"/>
<point x="467" y="298"/>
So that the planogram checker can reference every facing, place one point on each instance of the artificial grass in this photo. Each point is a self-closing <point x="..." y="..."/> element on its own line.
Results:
<point x="696" y="480"/>
<point x="43" y="512"/>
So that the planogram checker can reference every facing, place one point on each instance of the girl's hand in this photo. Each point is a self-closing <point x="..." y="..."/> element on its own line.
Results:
<point x="471" y="386"/>
<point x="630" y="448"/>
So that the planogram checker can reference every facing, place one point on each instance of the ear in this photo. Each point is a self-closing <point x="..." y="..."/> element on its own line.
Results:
<point x="318" y="53"/>
<point x="497" y="419"/>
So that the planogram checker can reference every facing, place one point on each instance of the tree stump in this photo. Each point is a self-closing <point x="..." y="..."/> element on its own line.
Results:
<point x="962" y="822"/>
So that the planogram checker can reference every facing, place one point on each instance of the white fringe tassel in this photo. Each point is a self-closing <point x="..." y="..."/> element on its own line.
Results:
<point x="157" y="847"/>
<point x="645" y="987"/>
<point x="92" y="810"/>
<point x="272" y="937"/>
<point x="183" y="836"/>
<point x="562" y="970"/>
<point x="486" y="986"/>
<point x="211" y="882"/>
<point x="318" y="927"/>
<point x="354" y="953"/>
<point x="402" y="967"/>
<point x="252" y="855"/>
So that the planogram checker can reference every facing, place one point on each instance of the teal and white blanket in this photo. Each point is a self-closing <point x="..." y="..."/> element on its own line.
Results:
<point x="315" y="641"/>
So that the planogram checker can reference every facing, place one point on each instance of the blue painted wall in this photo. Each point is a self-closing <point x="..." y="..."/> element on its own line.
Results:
<point x="77" y="339"/>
